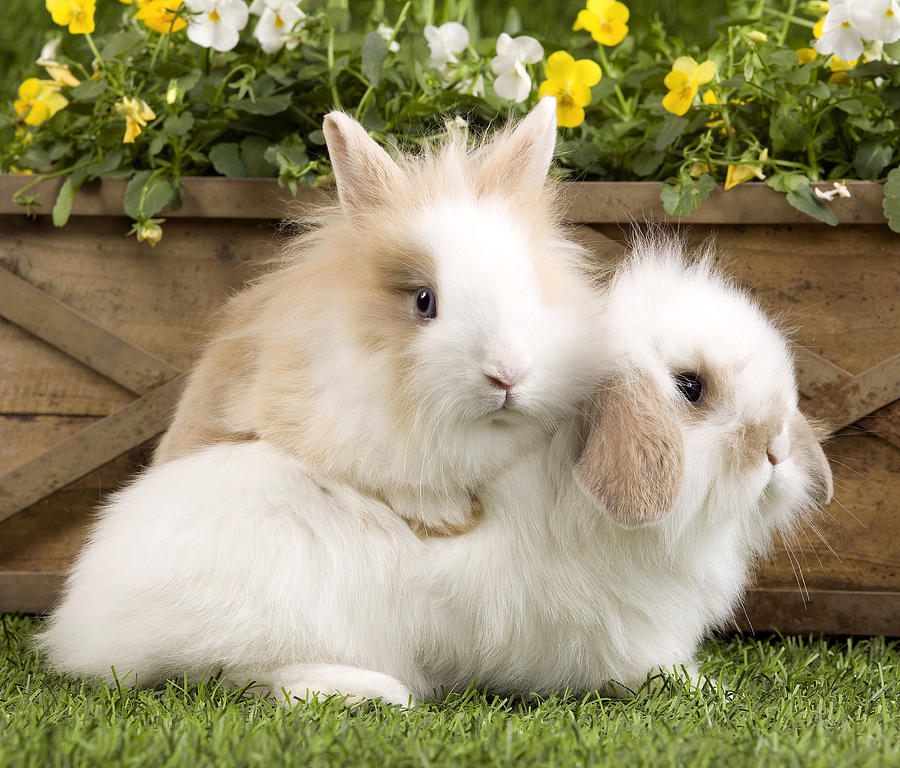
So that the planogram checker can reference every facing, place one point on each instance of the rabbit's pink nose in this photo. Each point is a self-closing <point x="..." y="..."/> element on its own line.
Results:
<point x="500" y="383"/>
<point x="779" y="447"/>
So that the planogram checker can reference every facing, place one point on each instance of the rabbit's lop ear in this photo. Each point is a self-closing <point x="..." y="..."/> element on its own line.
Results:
<point x="365" y="174"/>
<point x="521" y="157"/>
<point x="632" y="461"/>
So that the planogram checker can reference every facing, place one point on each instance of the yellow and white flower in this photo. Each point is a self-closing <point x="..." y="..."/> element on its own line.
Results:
<point x="277" y="20"/>
<point x="569" y="82"/>
<point x="738" y="174"/>
<point x="513" y="81"/>
<point x="216" y="23"/>
<point x="136" y="113"/>
<point x="77" y="15"/>
<point x="445" y="42"/>
<point x="606" y="20"/>
<point x="38" y="100"/>
<point x="684" y="81"/>
<point x="160" y="15"/>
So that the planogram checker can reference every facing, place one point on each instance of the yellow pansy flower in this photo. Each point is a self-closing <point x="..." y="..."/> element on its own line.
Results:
<point x="839" y="69"/>
<point x="805" y="55"/>
<point x="684" y="81"/>
<point x="698" y="169"/>
<point x="20" y="171"/>
<point x="606" y="20"/>
<point x="38" y="100"/>
<point x="738" y="174"/>
<point x="159" y="15"/>
<point x="60" y="73"/>
<point x="569" y="82"/>
<point x="77" y="15"/>
<point x="136" y="114"/>
<point x="817" y="29"/>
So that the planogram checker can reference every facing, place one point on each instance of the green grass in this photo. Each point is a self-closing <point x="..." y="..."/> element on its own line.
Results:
<point x="794" y="702"/>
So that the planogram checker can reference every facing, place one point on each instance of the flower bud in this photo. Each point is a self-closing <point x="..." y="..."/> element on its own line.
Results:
<point x="149" y="233"/>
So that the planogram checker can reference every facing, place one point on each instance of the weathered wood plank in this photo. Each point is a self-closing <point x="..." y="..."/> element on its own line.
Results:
<point x="587" y="202"/>
<point x="80" y="337"/>
<point x="845" y="402"/>
<point x="832" y="612"/>
<point x="815" y="373"/>
<point x="29" y="592"/>
<point x="97" y="444"/>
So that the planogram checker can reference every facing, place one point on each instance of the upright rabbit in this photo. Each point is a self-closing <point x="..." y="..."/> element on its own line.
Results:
<point x="431" y="327"/>
<point x="605" y="552"/>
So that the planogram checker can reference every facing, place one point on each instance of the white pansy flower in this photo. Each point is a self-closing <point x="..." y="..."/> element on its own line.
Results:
<point x="386" y="33"/>
<point x="888" y="14"/>
<point x="216" y="23"/>
<point x="513" y="82"/>
<point x="445" y="42"/>
<point x="846" y="26"/>
<point x="273" y="30"/>
<point x="50" y="48"/>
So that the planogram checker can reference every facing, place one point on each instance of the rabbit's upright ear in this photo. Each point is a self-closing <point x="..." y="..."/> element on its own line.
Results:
<point x="365" y="174"/>
<point x="519" y="160"/>
<point x="633" y="457"/>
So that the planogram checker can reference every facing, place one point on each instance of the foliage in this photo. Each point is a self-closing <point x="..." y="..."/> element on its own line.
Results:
<point x="756" y="101"/>
<point x="793" y="701"/>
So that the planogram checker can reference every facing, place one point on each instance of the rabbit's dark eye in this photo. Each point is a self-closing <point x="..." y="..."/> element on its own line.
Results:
<point x="426" y="303"/>
<point x="690" y="385"/>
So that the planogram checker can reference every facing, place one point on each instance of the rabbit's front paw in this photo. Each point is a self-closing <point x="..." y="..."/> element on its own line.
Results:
<point x="319" y="681"/>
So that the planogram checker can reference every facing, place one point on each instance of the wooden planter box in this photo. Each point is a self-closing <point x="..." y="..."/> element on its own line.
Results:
<point x="97" y="329"/>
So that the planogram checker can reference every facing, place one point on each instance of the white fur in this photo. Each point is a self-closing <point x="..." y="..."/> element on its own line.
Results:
<point x="238" y="558"/>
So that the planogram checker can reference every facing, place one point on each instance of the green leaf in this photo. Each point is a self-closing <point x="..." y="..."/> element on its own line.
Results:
<point x="851" y="106"/>
<point x="374" y="52"/>
<point x="120" y="43"/>
<point x="672" y="128"/>
<point x="820" y="90"/>
<point x="107" y="165"/>
<point x="804" y="200"/>
<point x="786" y="129"/>
<point x="682" y="198"/>
<point x="226" y="159"/>
<point x="178" y="125"/>
<point x="891" y="203"/>
<point x="147" y="194"/>
<point x="63" y="205"/>
<point x="253" y="156"/>
<point x="871" y="158"/>
<point x="268" y="105"/>
<point x="647" y="162"/>
<point x="89" y="90"/>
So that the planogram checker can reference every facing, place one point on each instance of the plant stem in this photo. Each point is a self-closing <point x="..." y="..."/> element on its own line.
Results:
<point x="788" y="20"/>
<point x="626" y="107"/>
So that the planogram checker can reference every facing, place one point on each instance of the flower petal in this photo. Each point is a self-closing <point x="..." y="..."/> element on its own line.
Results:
<point x="504" y="44"/>
<point x="704" y="72"/>
<point x="685" y="64"/>
<point x="560" y="66"/>
<point x="528" y="49"/>
<point x="455" y="35"/>
<point x="677" y="81"/>
<point x="580" y="94"/>
<point x="568" y="115"/>
<point x="587" y="72"/>
<point x="677" y="101"/>
<point x="586" y="20"/>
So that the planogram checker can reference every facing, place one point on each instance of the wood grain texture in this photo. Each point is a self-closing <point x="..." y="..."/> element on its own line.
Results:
<point x="836" y="290"/>
<point x="831" y="612"/>
<point x="80" y="337"/>
<point x="593" y="202"/>
<point x="94" y="446"/>
<point x="163" y="300"/>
